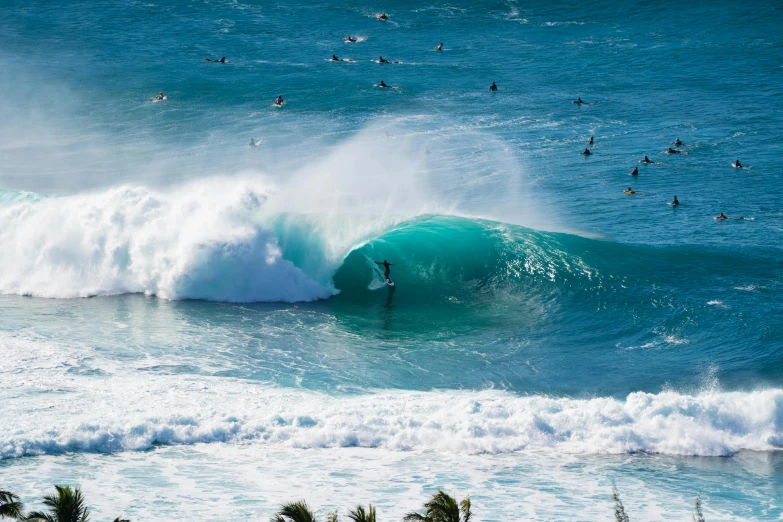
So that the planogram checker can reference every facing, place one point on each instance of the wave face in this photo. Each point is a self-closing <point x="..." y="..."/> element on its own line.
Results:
<point x="230" y="241"/>
<point x="205" y="241"/>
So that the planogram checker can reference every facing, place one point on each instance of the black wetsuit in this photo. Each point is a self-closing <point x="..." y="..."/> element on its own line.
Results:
<point x="386" y="265"/>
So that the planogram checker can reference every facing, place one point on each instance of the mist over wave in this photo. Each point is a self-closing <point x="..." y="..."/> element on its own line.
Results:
<point x="252" y="236"/>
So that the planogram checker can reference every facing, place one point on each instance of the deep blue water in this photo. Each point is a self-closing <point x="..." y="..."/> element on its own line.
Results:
<point x="171" y="296"/>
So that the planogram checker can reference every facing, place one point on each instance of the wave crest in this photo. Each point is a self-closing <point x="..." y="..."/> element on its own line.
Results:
<point x="206" y="241"/>
<point x="707" y="424"/>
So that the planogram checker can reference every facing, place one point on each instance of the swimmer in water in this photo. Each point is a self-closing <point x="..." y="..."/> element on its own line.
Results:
<point x="586" y="152"/>
<point x="159" y="96"/>
<point x="738" y="164"/>
<point x="335" y="58"/>
<point x="222" y="60"/>
<point x="382" y="60"/>
<point x="635" y="171"/>
<point x="675" y="202"/>
<point x="677" y="142"/>
<point x="629" y="190"/>
<point x="646" y="160"/>
<point x="578" y="100"/>
<point x="493" y="87"/>
<point x="673" y="151"/>
<point x="383" y="84"/>
<point x="439" y="47"/>
<point x="279" y="101"/>
<point x="350" y="39"/>
<point x="253" y="143"/>
<point x="721" y="217"/>
<point x="383" y="17"/>
<point x="591" y="141"/>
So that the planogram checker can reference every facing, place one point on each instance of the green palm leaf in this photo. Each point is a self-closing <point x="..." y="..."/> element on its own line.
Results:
<point x="40" y="516"/>
<point x="10" y="507"/>
<point x="66" y="506"/>
<point x="464" y="506"/>
<point x="442" y="507"/>
<point x="294" y="512"/>
<point x="619" y="509"/>
<point x="360" y="515"/>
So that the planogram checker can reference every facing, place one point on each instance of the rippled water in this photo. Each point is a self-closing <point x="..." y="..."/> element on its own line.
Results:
<point x="187" y="321"/>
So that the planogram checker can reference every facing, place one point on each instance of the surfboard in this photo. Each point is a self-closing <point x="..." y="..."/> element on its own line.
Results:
<point x="389" y="281"/>
<point x="155" y="100"/>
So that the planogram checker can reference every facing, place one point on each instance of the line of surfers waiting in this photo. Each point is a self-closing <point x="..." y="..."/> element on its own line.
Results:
<point x="279" y="102"/>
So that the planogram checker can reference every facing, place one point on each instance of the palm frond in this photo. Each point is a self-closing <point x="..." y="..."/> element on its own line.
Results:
<point x="619" y="509"/>
<point x="442" y="508"/>
<point x="294" y="512"/>
<point x="332" y="517"/>
<point x="464" y="506"/>
<point x="67" y="505"/>
<point x="10" y="507"/>
<point x="698" y="516"/>
<point x="416" y="517"/>
<point x="40" y="516"/>
<point x="360" y="515"/>
<point x="118" y="519"/>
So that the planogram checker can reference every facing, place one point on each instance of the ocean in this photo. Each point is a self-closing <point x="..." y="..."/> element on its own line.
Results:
<point x="192" y="328"/>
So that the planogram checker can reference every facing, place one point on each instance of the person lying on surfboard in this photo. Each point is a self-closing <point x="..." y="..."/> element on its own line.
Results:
<point x="386" y="265"/>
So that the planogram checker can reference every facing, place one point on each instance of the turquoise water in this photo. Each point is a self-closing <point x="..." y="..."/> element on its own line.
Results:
<point x="187" y="320"/>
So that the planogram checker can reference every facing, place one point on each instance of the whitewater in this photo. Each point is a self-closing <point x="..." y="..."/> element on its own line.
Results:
<point x="192" y="328"/>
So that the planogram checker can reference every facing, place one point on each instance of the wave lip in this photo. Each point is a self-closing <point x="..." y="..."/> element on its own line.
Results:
<point x="707" y="424"/>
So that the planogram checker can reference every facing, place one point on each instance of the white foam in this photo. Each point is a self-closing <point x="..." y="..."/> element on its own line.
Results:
<point x="204" y="241"/>
<point x="57" y="411"/>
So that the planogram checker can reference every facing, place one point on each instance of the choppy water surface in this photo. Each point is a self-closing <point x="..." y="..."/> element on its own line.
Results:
<point x="186" y="320"/>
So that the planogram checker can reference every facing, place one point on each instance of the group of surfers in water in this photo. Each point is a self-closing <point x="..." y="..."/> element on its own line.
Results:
<point x="492" y="88"/>
<point x="635" y="172"/>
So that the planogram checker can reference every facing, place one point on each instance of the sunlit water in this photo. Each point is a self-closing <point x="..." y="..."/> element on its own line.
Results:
<point x="191" y="328"/>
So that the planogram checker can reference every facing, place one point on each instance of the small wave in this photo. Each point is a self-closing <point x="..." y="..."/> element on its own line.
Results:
<point x="708" y="424"/>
